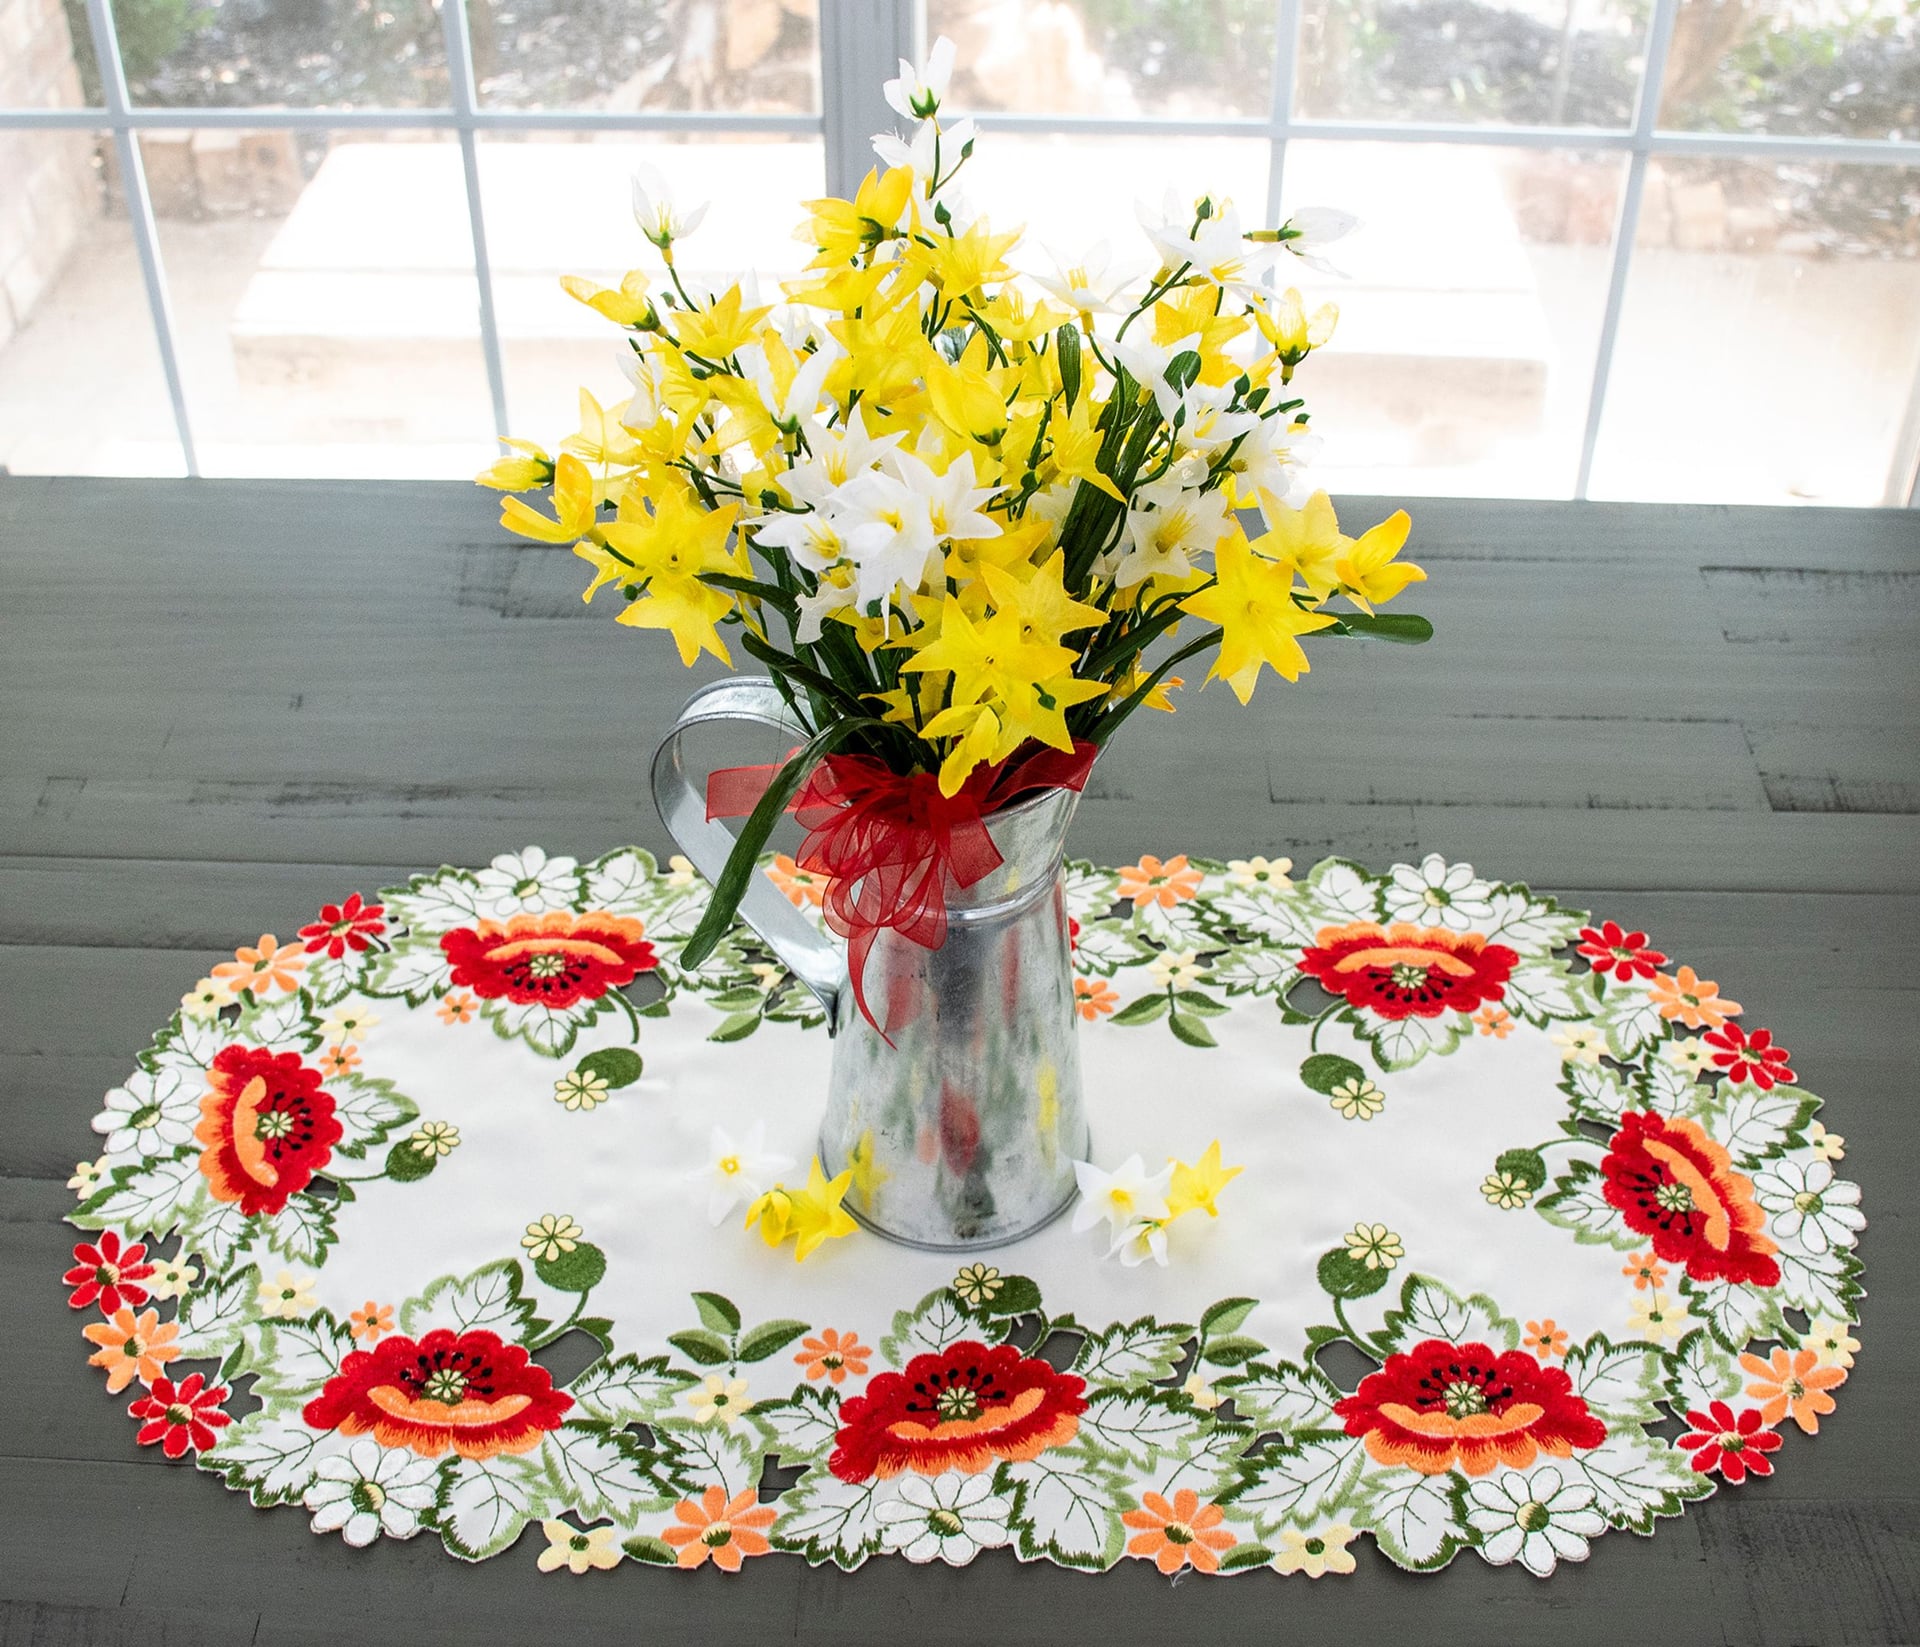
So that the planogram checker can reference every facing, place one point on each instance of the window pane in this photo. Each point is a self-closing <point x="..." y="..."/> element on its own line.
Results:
<point x="559" y="205"/>
<point x="1810" y="68"/>
<point x="1770" y="335"/>
<point x="334" y="327"/>
<point x="81" y="391"/>
<point x="1514" y="62"/>
<point x="1463" y="356"/>
<point x="746" y="56"/>
<point x="1201" y="59"/>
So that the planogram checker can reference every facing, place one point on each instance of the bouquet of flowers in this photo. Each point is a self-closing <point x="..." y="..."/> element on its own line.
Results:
<point x="969" y="516"/>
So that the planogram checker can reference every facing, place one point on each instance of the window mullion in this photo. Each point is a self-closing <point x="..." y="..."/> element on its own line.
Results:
<point x="861" y="44"/>
<point x="1286" y="57"/>
<point x="464" y="97"/>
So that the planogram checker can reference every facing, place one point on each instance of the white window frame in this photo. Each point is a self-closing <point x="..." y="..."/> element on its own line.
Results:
<point x="859" y="43"/>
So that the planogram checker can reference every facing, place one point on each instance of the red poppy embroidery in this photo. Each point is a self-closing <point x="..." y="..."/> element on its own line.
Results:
<point x="554" y="959"/>
<point x="961" y="1409"/>
<point x="268" y="1126"/>
<point x="1736" y="1447"/>
<point x="1677" y="1186"/>
<point x="1624" y="955"/>
<point x="1439" y="1405"/>
<point x="107" y="1273"/>
<point x="181" y="1415"/>
<point x="1750" y="1057"/>
<point x="467" y="1392"/>
<point x="341" y="927"/>
<point x="1407" y="971"/>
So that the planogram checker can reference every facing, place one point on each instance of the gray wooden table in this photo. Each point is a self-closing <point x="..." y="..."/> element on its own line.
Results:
<point x="221" y="703"/>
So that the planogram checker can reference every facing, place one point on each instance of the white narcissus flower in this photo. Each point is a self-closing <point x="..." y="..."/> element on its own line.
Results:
<point x="1809" y="1205"/>
<point x="150" y="1115"/>
<point x="916" y="155"/>
<point x="1137" y="1243"/>
<point x="528" y="883"/>
<point x="1208" y="422"/>
<point x="802" y="396"/>
<point x="1169" y="526"/>
<point x="1126" y="1196"/>
<point x="1088" y="286"/>
<point x="949" y="1518"/>
<point x="1314" y="229"/>
<point x="1438" y="893"/>
<point x="660" y="220"/>
<point x="370" y="1490"/>
<point x="1215" y="246"/>
<point x="955" y="498"/>
<point x="917" y="92"/>
<point x="888" y="529"/>
<point x="1538" y="1519"/>
<point x="738" y="1172"/>
<point x="836" y="454"/>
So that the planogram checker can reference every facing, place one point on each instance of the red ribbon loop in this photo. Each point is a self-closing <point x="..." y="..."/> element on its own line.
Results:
<point x="888" y="844"/>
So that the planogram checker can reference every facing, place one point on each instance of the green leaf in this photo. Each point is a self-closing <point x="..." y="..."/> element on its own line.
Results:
<point x="1527" y="1165"/>
<point x="1142" y="1011"/>
<point x="1194" y="1001"/>
<point x="1067" y="340"/>
<point x="716" y="1313"/>
<point x="578" y="1271"/>
<point x="769" y="1337"/>
<point x="1344" y="1276"/>
<point x="1017" y="1296"/>
<point x="617" y="1066"/>
<point x="1326" y="1070"/>
<point x="737" y="1027"/>
<point x="1409" y="628"/>
<point x="1191" y="1030"/>
<point x="645" y="1547"/>
<point x="1226" y="1316"/>
<point x="407" y="1165"/>
<point x="704" y="1349"/>
<point x="1245" y="1555"/>
<point x="1231" y="1351"/>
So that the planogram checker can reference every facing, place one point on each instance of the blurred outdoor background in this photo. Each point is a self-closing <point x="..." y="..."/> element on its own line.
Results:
<point x="327" y="320"/>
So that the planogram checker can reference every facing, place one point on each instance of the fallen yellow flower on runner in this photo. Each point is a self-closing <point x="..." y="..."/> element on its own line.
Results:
<point x="1194" y="1187"/>
<point x="810" y="1216"/>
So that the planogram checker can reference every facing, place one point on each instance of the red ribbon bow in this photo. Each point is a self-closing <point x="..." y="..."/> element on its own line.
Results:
<point x="887" y="844"/>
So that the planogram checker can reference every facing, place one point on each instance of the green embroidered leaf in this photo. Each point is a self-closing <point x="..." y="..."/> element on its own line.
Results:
<point x="1528" y="923"/>
<point x="1635" y="1478"/>
<point x="210" y="1319"/>
<point x="1018" y="1295"/>
<point x="717" y="1314"/>
<point x="1324" y="1071"/>
<point x="296" y="1358"/>
<point x="1400" y="1043"/>
<point x="1144" y="1352"/>
<point x="1066" y="1508"/>
<point x="1142" y="1011"/>
<point x="1620" y="1382"/>
<point x="1415" y="1519"/>
<point x="414" y="970"/>
<point x="1826" y="1284"/>
<point x="302" y="1231"/>
<point x="1597" y="1091"/>
<point x="273" y="1456"/>
<point x="1429" y="1310"/>
<point x="407" y="1163"/>
<point x="551" y="1030"/>
<point x="1300" y="1484"/>
<point x="1277" y="918"/>
<point x="147" y="1198"/>
<point x="1191" y="1030"/>
<point x="1735" y="1315"/>
<point x="1579" y="1203"/>
<point x="803" y="1426"/>
<point x="1341" y="1275"/>
<point x="601" y="1473"/>
<point x="490" y="1297"/>
<point x="1226" y="1316"/>
<point x="1285" y="1398"/>
<point x="1699" y="1373"/>
<point x="622" y="883"/>
<point x="368" y="1110"/>
<point x="1194" y="1001"/>
<point x="187" y="1046"/>
<point x="1631" y="1020"/>
<point x="617" y="1066"/>
<point x="1255" y="970"/>
<point x="485" y="1504"/>
<point x="1343" y="892"/>
<point x="580" y="1270"/>
<point x="645" y="1547"/>
<point x="1527" y="1166"/>
<point x="624" y="1390"/>
<point x="1540" y="992"/>
<point x="1136" y="1429"/>
<point x="699" y="1455"/>
<point x="737" y="1027"/>
<point x="1760" y="1125"/>
<point x="328" y="979"/>
<point x="285" y="1025"/>
<point x="1245" y="1555"/>
<point x="434" y="903"/>
<point x="827" y="1519"/>
<point x="934" y="1323"/>
<point x="1231" y="1351"/>
<point x="703" y="1349"/>
<point x="216" y="1231"/>
<point x="1670" y="1090"/>
<point x="769" y="1338"/>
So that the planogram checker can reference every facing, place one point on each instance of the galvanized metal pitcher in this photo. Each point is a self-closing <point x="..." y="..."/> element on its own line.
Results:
<point x="963" y="1131"/>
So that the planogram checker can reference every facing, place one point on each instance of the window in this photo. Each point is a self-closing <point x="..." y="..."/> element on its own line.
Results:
<point x="1622" y="248"/>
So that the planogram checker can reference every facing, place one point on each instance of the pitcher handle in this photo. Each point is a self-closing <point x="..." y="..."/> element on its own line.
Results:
<point x="815" y="959"/>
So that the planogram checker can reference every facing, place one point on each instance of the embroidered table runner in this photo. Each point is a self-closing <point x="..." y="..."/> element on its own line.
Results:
<point x="1547" y="1187"/>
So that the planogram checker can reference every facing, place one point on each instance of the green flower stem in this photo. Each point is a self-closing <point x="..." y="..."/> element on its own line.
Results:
<point x="1313" y="1040"/>
<point x="554" y="1333"/>
<point x="1360" y="1341"/>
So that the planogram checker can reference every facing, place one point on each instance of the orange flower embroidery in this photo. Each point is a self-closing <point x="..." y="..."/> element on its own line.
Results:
<point x="341" y="1060"/>
<point x="1692" y="1000"/>
<point x="833" y="1355"/>
<point x="1177" y="1533"/>
<point x="1795" y="1383"/>
<point x="132" y="1344"/>
<point x="801" y="886"/>
<point x="726" y="1529"/>
<point x="1094" y="998"/>
<point x="1152" y="882"/>
<point x="1645" y="1270"/>
<point x="1544" y="1339"/>
<point x="371" y="1322"/>
<point x="269" y="965"/>
<point x="457" y="1008"/>
<point x="1495" y="1021"/>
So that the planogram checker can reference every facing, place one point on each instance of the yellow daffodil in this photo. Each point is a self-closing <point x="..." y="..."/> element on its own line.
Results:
<point x="1194" y="1187"/>
<point x="601" y="438"/>
<point x="1077" y="439"/>
<point x="772" y="1210"/>
<point x="667" y="551"/>
<point x="573" y="507"/>
<point x="530" y="469"/>
<point x="975" y="729"/>
<point x="1367" y="571"/>
<point x="625" y="305"/>
<point x="964" y="394"/>
<point x="1260" y="622"/>
<point x="960" y="264"/>
<point x="815" y="1215"/>
<point x="1307" y="539"/>
<point x="844" y="229"/>
<point x="721" y="327"/>
<point x="1291" y="331"/>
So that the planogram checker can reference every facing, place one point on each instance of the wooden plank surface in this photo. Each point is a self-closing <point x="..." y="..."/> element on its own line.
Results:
<point x="221" y="703"/>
